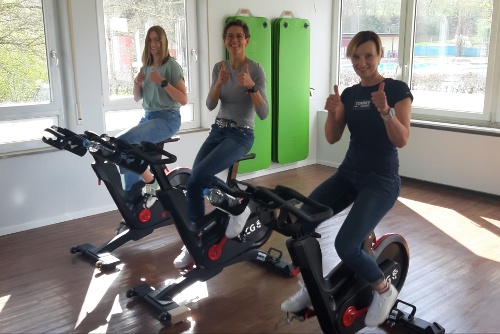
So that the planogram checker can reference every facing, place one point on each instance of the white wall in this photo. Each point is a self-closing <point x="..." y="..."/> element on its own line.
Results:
<point x="451" y="158"/>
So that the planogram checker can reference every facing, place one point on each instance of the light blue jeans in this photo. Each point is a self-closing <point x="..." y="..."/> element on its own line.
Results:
<point x="155" y="127"/>
<point x="222" y="148"/>
<point x="372" y="195"/>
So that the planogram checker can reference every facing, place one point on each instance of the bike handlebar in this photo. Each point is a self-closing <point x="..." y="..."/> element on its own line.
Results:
<point x="285" y="200"/>
<point x="112" y="149"/>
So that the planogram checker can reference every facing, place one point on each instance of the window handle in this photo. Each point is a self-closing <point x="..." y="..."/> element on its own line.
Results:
<point x="53" y="54"/>
<point x="195" y="55"/>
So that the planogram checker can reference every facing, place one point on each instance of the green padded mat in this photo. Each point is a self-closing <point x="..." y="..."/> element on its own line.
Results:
<point x="291" y="82"/>
<point x="259" y="50"/>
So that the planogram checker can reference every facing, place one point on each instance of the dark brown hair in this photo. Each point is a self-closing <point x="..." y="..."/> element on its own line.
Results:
<point x="236" y="23"/>
<point x="363" y="37"/>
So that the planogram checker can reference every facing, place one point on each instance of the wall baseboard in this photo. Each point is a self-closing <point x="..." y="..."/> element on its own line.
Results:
<point x="56" y="220"/>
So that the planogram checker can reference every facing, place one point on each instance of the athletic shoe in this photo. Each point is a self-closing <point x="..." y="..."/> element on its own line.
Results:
<point x="381" y="306"/>
<point x="298" y="302"/>
<point x="237" y="224"/>
<point x="183" y="259"/>
<point x="151" y="188"/>
<point x="122" y="227"/>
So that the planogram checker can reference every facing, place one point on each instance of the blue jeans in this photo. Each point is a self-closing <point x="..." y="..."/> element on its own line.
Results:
<point x="222" y="148"/>
<point x="372" y="196"/>
<point x="154" y="126"/>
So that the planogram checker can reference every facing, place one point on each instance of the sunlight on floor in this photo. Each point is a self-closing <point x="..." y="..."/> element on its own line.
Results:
<point x="470" y="234"/>
<point x="492" y="221"/>
<point x="195" y="292"/>
<point x="98" y="287"/>
<point x="115" y="309"/>
<point x="3" y="301"/>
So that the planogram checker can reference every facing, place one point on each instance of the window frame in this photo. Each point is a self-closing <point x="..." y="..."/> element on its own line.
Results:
<point x="488" y="120"/>
<point x="52" y="23"/>
<point x="128" y="106"/>
<point x="485" y="119"/>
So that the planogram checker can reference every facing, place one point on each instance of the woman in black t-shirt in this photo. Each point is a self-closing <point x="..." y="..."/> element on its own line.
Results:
<point x="377" y="112"/>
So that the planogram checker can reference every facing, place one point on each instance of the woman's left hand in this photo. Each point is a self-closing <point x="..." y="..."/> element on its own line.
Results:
<point x="155" y="76"/>
<point x="380" y="100"/>
<point x="244" y="78"/>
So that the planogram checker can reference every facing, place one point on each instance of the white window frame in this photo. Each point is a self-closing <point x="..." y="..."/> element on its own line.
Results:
<point x="488" y="120"/>
<point x="133" y="110"/>
<point x="51" y="112"/>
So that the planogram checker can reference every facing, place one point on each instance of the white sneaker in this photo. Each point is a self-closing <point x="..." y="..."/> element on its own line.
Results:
<point x="381" y="306"/>
<point x="183" y="259"/>
<point x="299" y="301"/>
<point x="237" y="224"/>
<point x="151" y="188"/>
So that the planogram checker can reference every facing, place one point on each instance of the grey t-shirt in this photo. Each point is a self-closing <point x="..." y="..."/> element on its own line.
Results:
<point x="236" y="103"/>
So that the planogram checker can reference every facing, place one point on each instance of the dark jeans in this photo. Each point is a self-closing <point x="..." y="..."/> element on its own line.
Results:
<point x="222" y="148"/>
<point x="372" y="196"/>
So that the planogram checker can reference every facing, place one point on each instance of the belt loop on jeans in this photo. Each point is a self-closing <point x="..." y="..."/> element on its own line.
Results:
<point x="226" y="123"/>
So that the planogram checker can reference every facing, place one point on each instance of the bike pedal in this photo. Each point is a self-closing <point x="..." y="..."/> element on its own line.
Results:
<point x="301" y="315"/>
<point x="187" y="269"/>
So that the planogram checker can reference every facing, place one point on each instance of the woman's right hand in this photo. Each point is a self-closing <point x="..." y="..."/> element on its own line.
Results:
<point x="139" y="79"/>
<point x="223" y="75"/>
<point x="333" y="100"/>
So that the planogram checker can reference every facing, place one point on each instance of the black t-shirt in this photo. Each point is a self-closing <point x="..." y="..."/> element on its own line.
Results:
<point x="370" y="149"/>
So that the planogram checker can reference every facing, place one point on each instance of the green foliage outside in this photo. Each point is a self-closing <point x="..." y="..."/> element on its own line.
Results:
<point x="23" y="66"/>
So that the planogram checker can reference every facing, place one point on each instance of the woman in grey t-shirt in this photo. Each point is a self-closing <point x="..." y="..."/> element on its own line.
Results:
<point x="240" y="85"/>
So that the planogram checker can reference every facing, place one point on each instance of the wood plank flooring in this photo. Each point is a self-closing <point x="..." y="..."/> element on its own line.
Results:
<point x="454" y="276"/>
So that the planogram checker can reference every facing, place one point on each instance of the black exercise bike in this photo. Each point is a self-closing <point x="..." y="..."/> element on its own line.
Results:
<point x="207" y="244"/>
<point x="340" y="299"/>
<point x="141" y="213"/>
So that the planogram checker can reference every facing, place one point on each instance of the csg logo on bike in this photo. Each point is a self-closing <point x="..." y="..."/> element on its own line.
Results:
<point x="252" y="228"/>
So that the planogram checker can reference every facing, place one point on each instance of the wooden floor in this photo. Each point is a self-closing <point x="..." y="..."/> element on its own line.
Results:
<point x="454" y="276"/>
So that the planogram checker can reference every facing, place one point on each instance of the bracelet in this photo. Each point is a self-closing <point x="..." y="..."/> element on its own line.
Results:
<point x="136" y="83"/>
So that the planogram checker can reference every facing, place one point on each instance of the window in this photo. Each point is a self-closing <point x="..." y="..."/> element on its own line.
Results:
<point x="381" y="17"/>
<point x="444" y="50"/>
<point x="123" y="26"/>
<point x="451" y="47"/>
<point x="30" y="83"/>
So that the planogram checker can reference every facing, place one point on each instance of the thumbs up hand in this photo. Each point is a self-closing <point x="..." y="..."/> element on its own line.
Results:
<point x="244" y="78"/>
<point x="379" y="100"/>
<point x="333" y="100"/>
<point x="155" y="76"/>
<point x="223" y="75"/>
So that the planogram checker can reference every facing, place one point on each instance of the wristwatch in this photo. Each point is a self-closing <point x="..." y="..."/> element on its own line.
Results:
<point x="164" y="83"/>
<point x="254" y="89"/>
<point x="390" y="115"/>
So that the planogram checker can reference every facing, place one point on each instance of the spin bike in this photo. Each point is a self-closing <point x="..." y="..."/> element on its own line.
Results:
<point x="140" y="212"/>
<point x="210" y="249"/>
<point x="340" y="299"/>
<point x="206" y="242"/>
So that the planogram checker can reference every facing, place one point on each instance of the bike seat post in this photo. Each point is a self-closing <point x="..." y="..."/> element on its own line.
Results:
<point x="160" y="145"/>
<point x="232" y="172"/>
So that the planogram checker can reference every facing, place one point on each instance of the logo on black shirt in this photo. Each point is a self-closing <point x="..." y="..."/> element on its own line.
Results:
<point x="362" y="105"/>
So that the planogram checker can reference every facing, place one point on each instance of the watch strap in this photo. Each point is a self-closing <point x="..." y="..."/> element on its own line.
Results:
<point x="254" y="89"/>
<point x="390" y="115"/>
<point x="164" y="83"/>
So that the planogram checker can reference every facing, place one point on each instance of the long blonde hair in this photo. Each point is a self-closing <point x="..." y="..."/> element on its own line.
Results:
<point x="147" y="57"/>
